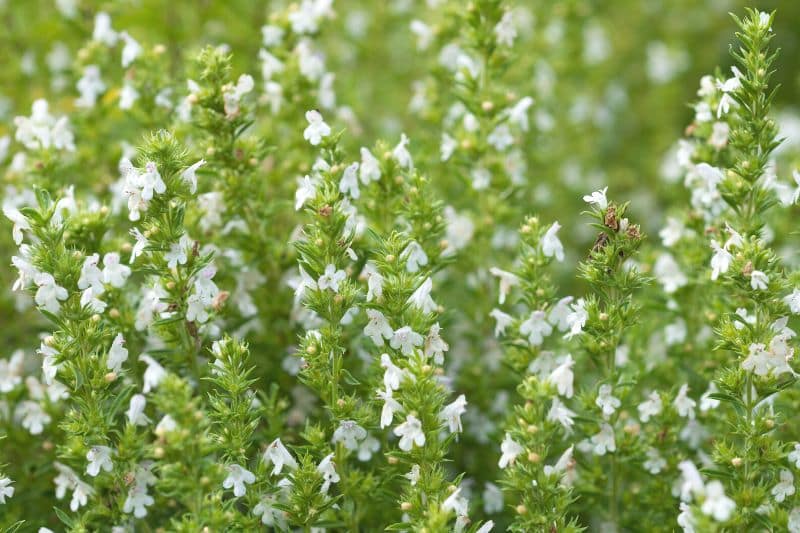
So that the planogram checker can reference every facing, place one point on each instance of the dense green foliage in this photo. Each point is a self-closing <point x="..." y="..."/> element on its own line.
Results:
<point x="420" y="265"/>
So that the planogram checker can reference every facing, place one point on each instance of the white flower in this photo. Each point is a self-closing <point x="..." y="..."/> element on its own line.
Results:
<point x="114" y="273"/>
<point x="390" y="407"/>
<point x="721" y="261"/>
<point x="794" y="455"/>
<point x="32" y="417"/>
<point x="166" y="425"/>
<point x="510" y="450"/>
<point x="327" y="468"/>
<point x="80" y="493"/>
<point x="90" y="86"/>
<point x="435" y="346"/>
<point x="685" y="518"/>
<point x="49" y="367"/>
<point x="378" y="327"/>
<point x="606" y="401"/>
<point x="757" y="360"/>
<point x="691" y="481"/>
<point x="89" y="300"/>
<point x="518" y="113"/>
<point x="421" y="298"/>
<point x="577" y="318"/>
<point x="413" y="475"/>
<point x="349" y="433"/>
<point x="306" y="190"/>
<point x="564" y="466"/>
<point x="562" y="377"/>
<point x="410" y="433"/>
<point x="456" y="503"/>
<point x="367" y="448"/>
<point x="758" y="280"/>
<point x="728" y="86"/>
<point x="793" y="301"/>
<point x="654" y="463"/>
<point x="504" y="31"/>
<point x="683" y="403"/>
<point x="135" y="411"/>
<point x="551" y="245"/>
<point x="672" y="232"/>
<point x="49" y="292"/>
<point x="507" y="281"/>
<point x="41" y="130"/>
<point x="189" y="175"/>
<point x="393" y="375"/>
<point x="451" y="414"/>
<point x="138" y="500"/>
<point x="492" y="498"/>
<point x="536" y="328"/>
<point x="178" y="252"/>
<point x="99" y="458"/>
<point x="374" y="282"/>
<point x="20" y="223"/>
<point x="716" y="504"/>
<point x="447" y="147"/>
<point x="481" y="178"/>
<point x="131" y="50"/>
<point x="153" y="374"/>
<point x="719" y="136"/>
<point x="150" y="182"/>
<point x="414" y="256"/>
<point x="603" y="441"/>
<point x="232" y="94"/>
<point x="370" y="169"/>
<point x="128" y="96"/>
<point x="270" y="515"/>
<point x="238" y="478"/>
<point x="306" y="16"/>
<point x="11" y="370"/>
<point x="706" y="401"/>
<point x="117" y="354"/>
<point x="405" y="339"/>
<point x="794" y="521"/>
<point x="560" y="313"/>
<point x="331" y="278"/>
<point x="503" y="321"/>
<point x="317" y="129"/>
<point x="597" y="198"/>
<point x="785" y="486"/>
<point x="650" y="407"/>
<point x="6" y="490"/>
<point x="138" y="248"/>
<point x="400" y="153"/>
<point x="560" y="413"/>
<point x="675" y="333"/>
<point x="500" y="138"/>
<point x="277" y="454"/>
<point x="349" y="182"/>
<point x="668" y="273"/>
<point x="103" y="32"/>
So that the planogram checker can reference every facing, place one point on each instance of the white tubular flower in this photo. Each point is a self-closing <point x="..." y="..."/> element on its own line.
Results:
<point x="277" y="455"/>
<point x="451" y="414"/>
<point x="510" y="450"/>
<point x="551" y="245"/>
<point x="238" y="478"/>
<point x="349" y="433"/>
<point x="99" y="458"/>
<point x="410" y="433"/>
<point x="317" y="129"/>
<point x="327" y="468"/>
